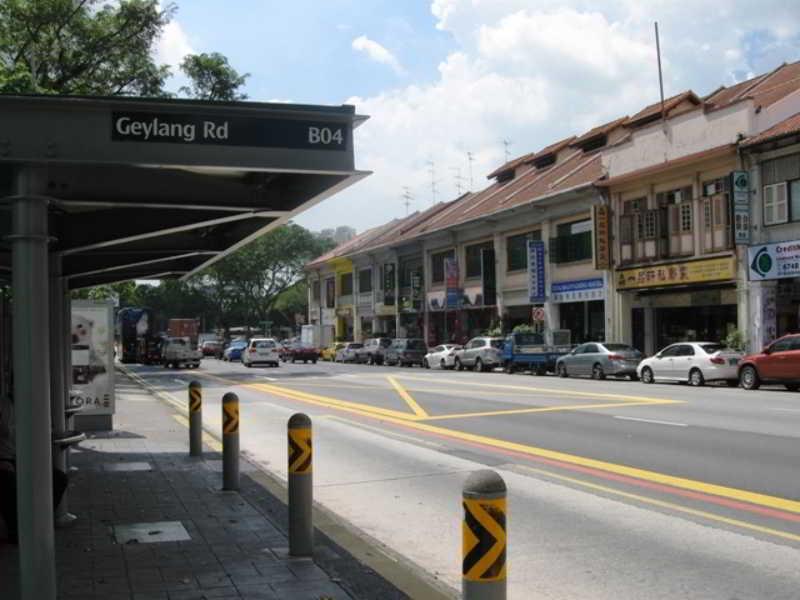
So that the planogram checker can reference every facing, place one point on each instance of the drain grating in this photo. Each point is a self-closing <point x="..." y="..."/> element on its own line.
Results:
<point x="151" y="533"/>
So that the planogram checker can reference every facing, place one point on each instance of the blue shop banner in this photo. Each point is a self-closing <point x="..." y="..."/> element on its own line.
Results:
<point x="536" y="282"/>
<point x="578" y="290"/>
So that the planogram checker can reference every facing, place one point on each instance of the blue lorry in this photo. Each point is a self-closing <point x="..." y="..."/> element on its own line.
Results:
<point x="528" y="352"/>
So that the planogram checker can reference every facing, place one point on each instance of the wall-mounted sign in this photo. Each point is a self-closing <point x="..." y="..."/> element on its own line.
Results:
<point x="536" y="282"/>
<point x="435" y="300"/>
<point x="472" y="297"/>
<point x="602" y="237"/>
<point x="388" y="284"/>
<point x="698" y="271"/>
<point x="537" y="314"/>
<point x="451" y="282"/>
<point x="580" y="290"/>
<point x="740" y="184"/>
<point x="177" y="128"/>
<point x="416" y="287"/>
<point x="774" y="261"/>
<point x="344" y="312"/>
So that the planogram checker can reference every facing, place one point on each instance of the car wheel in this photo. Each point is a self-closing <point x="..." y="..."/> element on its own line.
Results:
<point x="313" y="361"/>
<point x="508" y="367"/>
<point x="597" y="372"/>
<point x="749" y="379"/>
<point x="696" y="378"/>
<point x="792" y="387"/>
<point x="647" y="375"/>
<point x="732" y="383"/>
<point x="478" y="365"/>
<point x="562" y="370"/>
<point x="457" y="365"/>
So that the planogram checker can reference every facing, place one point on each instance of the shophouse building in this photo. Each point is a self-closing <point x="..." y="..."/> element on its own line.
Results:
<point x="772" y="169"/>
<point x="680" y="243"/>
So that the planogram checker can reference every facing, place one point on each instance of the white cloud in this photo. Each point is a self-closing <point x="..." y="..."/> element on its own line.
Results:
<point x="534" y="73"/>
<point x="377" y="53"/>
<point x="173" y="45"/>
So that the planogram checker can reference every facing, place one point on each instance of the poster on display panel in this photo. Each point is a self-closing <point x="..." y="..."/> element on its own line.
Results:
<point x="92" y="332"/>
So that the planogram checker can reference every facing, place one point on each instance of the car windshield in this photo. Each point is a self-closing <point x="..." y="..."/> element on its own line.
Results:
<point x="415" y="345"/>
<point x="712" y="348"/>
<point x="238" y="345"/>
<point x="265" y="344"/>
<point x="356" y="346"/>
<point x="619" y="348"/>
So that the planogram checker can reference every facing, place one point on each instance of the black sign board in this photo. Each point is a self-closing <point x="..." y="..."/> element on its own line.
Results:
<point x="197" y="129"/>
<point x="388" y="284"/>
<point x="489" y="277"/>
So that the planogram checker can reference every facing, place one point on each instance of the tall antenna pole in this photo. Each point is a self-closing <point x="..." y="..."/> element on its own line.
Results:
<point x="506" y="144"/>
<point x="470" y="160"/>
<point x="458" y="179"/>
<point x="407" y="198"/>
<point x="432" y="171"/>
<point x="660" y="77"/>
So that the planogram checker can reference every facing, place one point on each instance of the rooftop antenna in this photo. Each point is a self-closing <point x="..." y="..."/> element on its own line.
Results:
<point x="432" y="171"/>
<point x="660" y="79"/>
<point x="458" y="179"/>
<point x="506" y="145"/>
<point x="470" y="160"/>
<point x="407" y="198"/>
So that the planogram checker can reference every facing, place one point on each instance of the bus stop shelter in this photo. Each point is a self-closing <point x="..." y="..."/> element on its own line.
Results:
<point x="102" y="190"/>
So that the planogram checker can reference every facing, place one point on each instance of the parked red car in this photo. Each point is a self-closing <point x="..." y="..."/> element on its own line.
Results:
<point x="295" y="351"/>
<point x="777" y="363"/>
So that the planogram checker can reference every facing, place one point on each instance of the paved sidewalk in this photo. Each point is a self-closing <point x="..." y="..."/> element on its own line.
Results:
<point x="141" y="473"/>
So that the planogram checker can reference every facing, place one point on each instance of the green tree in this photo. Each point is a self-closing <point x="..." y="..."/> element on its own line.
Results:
<point x="247" y="283"/>
<point x="212" y="78"/>
<point x="82" y="48"/>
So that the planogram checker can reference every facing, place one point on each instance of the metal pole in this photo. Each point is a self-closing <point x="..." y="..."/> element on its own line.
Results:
<point x="484" y="537"/>
<point x="58" y="392"/>
<point x="301" y="491"/>
<point x="66" y="307"/>
<point x="32" y="393"/>
<point x="230" y="442"/>
<point x="195" y="419"/>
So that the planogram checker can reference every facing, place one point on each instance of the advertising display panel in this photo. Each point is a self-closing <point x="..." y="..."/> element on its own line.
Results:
<point x="93" y="355"/>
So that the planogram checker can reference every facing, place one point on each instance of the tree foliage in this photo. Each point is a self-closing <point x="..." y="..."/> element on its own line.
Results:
<point x="81" y="47"/>
<point x="212" y="78"/>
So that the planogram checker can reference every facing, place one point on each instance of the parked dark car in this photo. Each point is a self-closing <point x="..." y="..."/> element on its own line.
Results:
<point x="373" y="351"/>
<point x="777" y="363"/>
<point x="406" y="352"/>
<point x="211" y="348"/>
<point x="296" y="351"/>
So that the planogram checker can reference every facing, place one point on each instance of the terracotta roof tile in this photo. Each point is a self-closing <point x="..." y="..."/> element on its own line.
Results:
<point x="599" y="130"/>
<point x="655" y="109"/>
<point x="784" y="128"/>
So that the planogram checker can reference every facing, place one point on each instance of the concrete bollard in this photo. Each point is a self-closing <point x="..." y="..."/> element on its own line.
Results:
<point x="484" y="537"/>
<point x="230" y="442"/>
<point x="301" y="492"/>
<point x="195" y="419"/>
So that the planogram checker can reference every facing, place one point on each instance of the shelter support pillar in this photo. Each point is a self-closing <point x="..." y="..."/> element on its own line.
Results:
<point x="29" y="240"/>
<point x="58" y="390"/>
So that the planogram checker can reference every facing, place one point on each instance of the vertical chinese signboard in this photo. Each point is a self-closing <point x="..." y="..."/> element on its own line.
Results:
<point x="536" y="282"/>
<point x="740" y="186"/>
<point x="388" y="284"/>
<point x="93" y="355"/>
<point x="416" y="289"/>
<point x="453" y="296"/>
<point x="602" y="238"/>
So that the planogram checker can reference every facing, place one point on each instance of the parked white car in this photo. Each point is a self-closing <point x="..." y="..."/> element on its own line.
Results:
<point x="692" y="362"/>
<point x="261" y="351"/>
<point x="442" y="357"/>
<point x="349" y="353"/>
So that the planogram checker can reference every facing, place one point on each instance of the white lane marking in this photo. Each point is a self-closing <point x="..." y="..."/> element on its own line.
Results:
<point x="655" y="421"/>
<point x="270" y="378"/>
<point x="786" y="409"/>
<point x="178" y="381"/>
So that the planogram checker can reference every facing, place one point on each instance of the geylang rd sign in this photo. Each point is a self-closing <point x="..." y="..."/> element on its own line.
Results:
<point x="175" y="128"/>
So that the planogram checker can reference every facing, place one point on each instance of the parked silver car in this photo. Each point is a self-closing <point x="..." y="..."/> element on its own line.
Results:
<point x="481" y="354"/>
<point x="599" y="359"/>
<point x="348" y="353"/>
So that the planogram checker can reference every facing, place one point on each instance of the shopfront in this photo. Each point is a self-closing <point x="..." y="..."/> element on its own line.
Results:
<point x="774" y="274"/>
<point x="344" y="324"/>
<point x="581" y="308"/>
<point x="682" y="301"/>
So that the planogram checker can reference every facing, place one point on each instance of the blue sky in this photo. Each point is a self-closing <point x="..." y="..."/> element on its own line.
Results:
<point x="441" y="78"/>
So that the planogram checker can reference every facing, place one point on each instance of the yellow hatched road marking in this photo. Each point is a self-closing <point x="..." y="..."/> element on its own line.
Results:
<point x="637" y="473"/>
<point x="519" y="411"/>
<point x="418" y="410"/>
<point x="669" y="505"/>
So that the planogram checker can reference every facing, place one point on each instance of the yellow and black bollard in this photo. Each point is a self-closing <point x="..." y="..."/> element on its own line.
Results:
<point x="230" y="442"/>
<point x="484" y="537"/>
<point x="301" y="492"/>
<point x="195" y="419"/>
